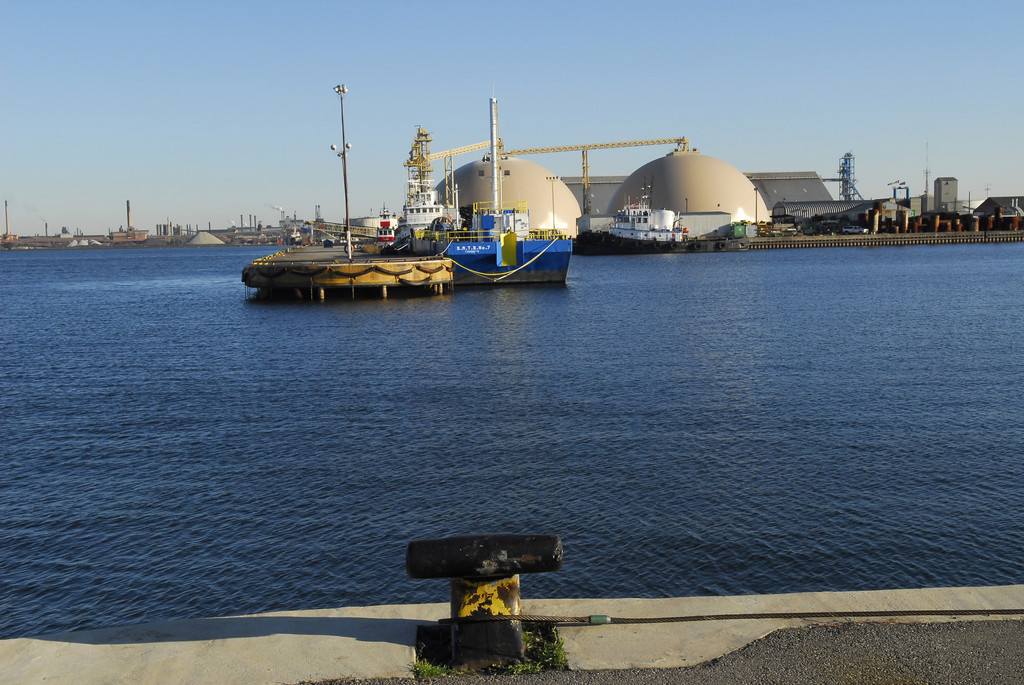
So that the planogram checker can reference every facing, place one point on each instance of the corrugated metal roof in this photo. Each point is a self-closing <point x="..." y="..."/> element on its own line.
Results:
<point x="790" y="186"/>
<point x="1010" y="204"/>
<point x="773" y="186"/>
<point x="806" y="210"/>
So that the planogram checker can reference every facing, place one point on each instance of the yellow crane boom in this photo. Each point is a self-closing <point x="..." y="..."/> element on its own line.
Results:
<point x="420" y="156"/>
<point x="449" y="164"/>
<point x="682" y="145"/>
<point x="465" y="148"/>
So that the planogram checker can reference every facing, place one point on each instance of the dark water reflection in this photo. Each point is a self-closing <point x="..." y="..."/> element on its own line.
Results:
<point x="838" y="419"/>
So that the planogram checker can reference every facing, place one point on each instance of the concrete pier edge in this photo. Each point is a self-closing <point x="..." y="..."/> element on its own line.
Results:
<point x="379" y="641"/>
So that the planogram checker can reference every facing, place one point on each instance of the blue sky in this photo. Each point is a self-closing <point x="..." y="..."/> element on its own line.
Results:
<point x="204" y="112"/>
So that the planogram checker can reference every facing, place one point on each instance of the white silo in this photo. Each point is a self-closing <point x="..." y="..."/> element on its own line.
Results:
<point x="548" y="199"/>
<point x="687" y="181"/>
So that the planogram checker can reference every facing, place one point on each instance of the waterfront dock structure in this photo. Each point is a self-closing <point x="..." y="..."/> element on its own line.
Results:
<point x="379" y="642"/>
<point x="885" y="239"/>
<point x="313" y="273"/>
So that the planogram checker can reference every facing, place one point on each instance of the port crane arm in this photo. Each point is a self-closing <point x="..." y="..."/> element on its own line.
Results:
<point x="461" y="150"/>
<point x="682" y="145"/>
<point x="420" y="156"/>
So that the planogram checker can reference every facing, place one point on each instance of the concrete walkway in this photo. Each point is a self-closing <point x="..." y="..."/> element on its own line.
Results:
<point x="378" y="642"/>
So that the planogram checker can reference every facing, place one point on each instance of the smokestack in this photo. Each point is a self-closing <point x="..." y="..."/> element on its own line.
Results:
<point x="129" y="203"/>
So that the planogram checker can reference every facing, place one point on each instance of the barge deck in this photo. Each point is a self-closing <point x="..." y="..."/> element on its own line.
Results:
<point x="314" y="273"/>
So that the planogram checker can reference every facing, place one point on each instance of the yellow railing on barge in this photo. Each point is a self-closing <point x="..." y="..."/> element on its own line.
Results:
<point x="467" y="236"/>
<point x="488" y="207"/>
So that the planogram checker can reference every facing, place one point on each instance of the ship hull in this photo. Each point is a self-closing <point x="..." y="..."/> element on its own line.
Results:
<point x="477" y="263"/>
<point x="720" y="245"/>
<point x="603" y="243"/>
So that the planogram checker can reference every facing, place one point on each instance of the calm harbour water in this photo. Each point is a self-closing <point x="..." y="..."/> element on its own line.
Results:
<point x="770" y="421"/>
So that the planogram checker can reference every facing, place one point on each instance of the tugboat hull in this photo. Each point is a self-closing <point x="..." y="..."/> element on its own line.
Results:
<point x="604" y="243"/>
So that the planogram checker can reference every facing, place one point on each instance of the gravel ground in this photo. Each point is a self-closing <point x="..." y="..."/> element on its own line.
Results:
<point x="968" y="652"/>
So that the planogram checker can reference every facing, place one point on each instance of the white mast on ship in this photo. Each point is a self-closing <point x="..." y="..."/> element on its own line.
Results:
<point x="495" y="192"/>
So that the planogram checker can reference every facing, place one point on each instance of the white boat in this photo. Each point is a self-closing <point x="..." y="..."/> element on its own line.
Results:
<point x="638" y="229"/>
<point x="421" y="213"/>
<point x="637" y="221"/>
<point x="387" y="225"/>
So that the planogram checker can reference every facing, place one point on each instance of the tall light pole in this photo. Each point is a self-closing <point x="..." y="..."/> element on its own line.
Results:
<point x="341" y="90"/>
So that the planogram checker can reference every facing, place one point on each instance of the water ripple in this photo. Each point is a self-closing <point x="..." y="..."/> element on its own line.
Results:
<point x="711" y="424"/>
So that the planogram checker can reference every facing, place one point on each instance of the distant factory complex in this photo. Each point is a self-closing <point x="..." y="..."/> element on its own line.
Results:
<point x="688" y="182"/>
<point x="683" y="181"/>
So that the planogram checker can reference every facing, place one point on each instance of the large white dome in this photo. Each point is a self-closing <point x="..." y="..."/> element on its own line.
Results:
<point x="687" y="181"/>
<point x="546" y="196"/>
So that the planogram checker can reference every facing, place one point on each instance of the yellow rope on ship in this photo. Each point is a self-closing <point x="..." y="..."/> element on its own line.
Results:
<point x="507" y="273"/>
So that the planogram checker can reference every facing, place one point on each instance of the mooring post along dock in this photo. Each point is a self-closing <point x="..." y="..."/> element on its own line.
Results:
<point x="484" y="574"/>
<point x="320" y="273"/>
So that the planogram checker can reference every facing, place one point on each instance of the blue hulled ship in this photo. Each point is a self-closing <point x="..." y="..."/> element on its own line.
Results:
<point x="499" y="247"/>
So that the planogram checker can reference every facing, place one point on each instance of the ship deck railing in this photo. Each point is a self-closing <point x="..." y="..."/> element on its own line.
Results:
<point x="547" y="234"/>
<point x="488" y="207"/>
<point x="469" y="236"/>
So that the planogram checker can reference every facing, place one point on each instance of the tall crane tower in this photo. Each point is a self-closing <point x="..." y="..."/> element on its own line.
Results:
<point x="847" y="188"/>
<point x="420" y="158"/>
<point x="419" y="155"/>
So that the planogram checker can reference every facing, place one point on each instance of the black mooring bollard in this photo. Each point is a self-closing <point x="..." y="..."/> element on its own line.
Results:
<point x="484" y="572"/>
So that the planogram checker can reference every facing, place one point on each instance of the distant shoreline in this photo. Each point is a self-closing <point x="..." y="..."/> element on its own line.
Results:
<point x="30" y="244"/>
<point x="756" y="243"/>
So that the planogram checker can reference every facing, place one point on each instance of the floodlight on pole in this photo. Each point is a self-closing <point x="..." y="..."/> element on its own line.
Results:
<point x="341" y="90"/>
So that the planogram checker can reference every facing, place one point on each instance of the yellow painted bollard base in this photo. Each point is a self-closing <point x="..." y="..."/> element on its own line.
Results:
<point x="480" y="645"/>
<point x="493" y="597"/>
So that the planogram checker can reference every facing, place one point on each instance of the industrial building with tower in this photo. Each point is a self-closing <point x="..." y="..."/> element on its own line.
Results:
<point x="684" y="181"/>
